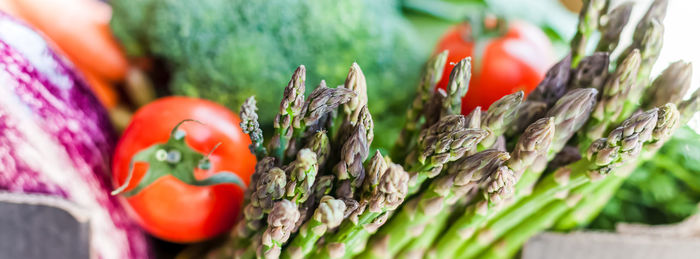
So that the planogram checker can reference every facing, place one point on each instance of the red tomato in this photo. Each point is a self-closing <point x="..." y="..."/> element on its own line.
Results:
<point x="516" y="60"/>
<point x="169" y="208"/>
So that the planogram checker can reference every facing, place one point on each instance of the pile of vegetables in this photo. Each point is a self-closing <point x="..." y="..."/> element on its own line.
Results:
<point x="464" y="185"/>
<point x="56" y="141"/>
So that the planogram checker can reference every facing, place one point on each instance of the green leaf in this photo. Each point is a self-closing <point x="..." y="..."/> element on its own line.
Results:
<point x="175" y="158"/>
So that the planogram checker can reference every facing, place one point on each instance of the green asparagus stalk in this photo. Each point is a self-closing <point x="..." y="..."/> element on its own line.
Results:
<point x="603" y="156"/>
<point x="327" y="216"/>
<point x="533" y="143"/>
<point x="251" y="126"/>
<point x="591" y="72"/>
<point x="611" y="25"/>
<point x="499" y="117"/>
<point x="421" y="243"/>
<point x="290" y="107"/>
<point x="462" y="176"/>
<point x="671" y="86"/>
<point x="417" y="247"/>
<point x="569" y="113"/>
<point x="584" y="211"/>
<point x="588" y="23"/>
<point x="432" y="73"/>
<point x="615" y="91"/>
<point x="506" y="247"/>
<point x="457" y="87"/>
<point x="446" y="141"/>
<point x="384" y="192"/>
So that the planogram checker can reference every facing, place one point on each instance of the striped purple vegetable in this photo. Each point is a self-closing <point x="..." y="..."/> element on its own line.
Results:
<point x="56" y="139"/>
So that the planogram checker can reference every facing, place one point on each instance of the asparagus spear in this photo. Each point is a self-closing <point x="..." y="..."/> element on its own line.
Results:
<point x="349" y="171"/>
<point x="671" y="86"/>
<point x="327" y="216"/>
<point x="623" y="144"/>
<point x="588" y="23"/>
<point x="667" y="123"/>
<point x="648" y="38"/>
<point x="528" y="112"/>
<point x="473" y="122"/>
<point x="499" y="117"/>
<point x="290" y="107"/>
<point x="357" y="83"/>
<point x="611" y="25"/>
<point x="446" y="141"/>
<point x="432" y="73"/>
<point x="570" y="114"/>
<point x="320" y="144"/>
<point x="433" y="109"/>
<point x="553" y="86"/>
<point x="533" y="143"/>
<point x="280" y="222"/>
<point x="457" y="87"/>
<point x="302" y="175"/>
<point x="384" y="192"/>
<point x="616" y="90"/>
<point x="689" y="107"/>
<point x="251" y="126"/>
<point x="591" y="72"/>
<point x="462" y="176"/>
<point x="350" y="111"/>
<point x="320" y="189"/>
<point x="320" y="103"/>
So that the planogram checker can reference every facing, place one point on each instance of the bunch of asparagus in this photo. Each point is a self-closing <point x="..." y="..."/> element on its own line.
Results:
<point x="459" y="186"/>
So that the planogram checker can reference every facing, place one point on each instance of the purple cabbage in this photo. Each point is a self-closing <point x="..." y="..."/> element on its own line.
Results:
<point x="56" y="139"/>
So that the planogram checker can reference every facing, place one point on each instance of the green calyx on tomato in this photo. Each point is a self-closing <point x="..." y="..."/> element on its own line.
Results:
<point x="175" y="158"/>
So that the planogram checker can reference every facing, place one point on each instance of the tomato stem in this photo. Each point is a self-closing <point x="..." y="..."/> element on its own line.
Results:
<point x="175" y="158"/>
